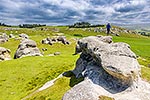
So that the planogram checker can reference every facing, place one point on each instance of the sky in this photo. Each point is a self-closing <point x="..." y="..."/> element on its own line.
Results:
<point x="64" y="12"/>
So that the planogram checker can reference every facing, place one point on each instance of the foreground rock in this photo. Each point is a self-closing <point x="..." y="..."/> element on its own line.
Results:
<point x="109" y="69"/>
<point x="4" y="54"/>
<point x="27" y="48"/>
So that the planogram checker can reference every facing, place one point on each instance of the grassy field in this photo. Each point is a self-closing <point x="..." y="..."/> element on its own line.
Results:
<point x="21" y="77"/>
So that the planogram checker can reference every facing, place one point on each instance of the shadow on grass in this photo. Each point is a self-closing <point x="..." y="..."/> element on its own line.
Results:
<point x="73" y="79"/>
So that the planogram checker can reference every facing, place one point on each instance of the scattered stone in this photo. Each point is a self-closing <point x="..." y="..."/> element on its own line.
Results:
<point x="11" y="36"/>
<point x="51" y="55"/>
<point x="44" y="49"/>
<point x="24" y="36"/>
<point x="57" y="53"/>
<point x="55" y="39"/>
<point x="47" y="41"/>
<point x="4" y="54"/>
<point x="63" y="40"/>
<point x="27" y="48"/>
<point x="115" y="34"/>
<point x="3" y="38"/>
<point x="2" y="41"/>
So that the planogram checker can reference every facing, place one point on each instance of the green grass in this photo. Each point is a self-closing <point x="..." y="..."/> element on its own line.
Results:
<point x="105" y="98"/>
<point x="21" y="77"/>
<point x="55" y="92"/>
<point x="140" y="46"/>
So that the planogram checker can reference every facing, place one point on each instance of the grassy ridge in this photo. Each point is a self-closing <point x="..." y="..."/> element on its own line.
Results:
<point x="20" y="77"/>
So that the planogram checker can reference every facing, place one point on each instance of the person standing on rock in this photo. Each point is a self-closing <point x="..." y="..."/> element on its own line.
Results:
<point x="108" y="28"/>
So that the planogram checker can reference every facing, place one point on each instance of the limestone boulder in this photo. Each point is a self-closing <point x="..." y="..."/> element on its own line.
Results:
<point x="55" y="39"/>
<point x="27" y="48"/>
<point x="47" y="41"/>
<point x="3" y="38"/>
<point x="63" y="40"/>
<point x="24" y="36"/>
<point x="11" y="36"/>
<point x="116" y="58"/>
<point x="109" y="69"/>
<point x="4" y="54"/>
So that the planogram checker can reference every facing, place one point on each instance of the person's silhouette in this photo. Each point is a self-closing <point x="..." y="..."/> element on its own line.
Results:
<point x="108" y="28"/>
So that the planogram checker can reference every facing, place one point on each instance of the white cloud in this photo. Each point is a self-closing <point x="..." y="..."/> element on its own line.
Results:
<point x="69" y="11"/>
<point x="138" y="2"/>
<point x="70" y="4"/>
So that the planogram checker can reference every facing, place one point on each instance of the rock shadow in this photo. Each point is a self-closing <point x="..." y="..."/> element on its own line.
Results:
<point x="73" y="79"/>
<point x="100" y="77"/>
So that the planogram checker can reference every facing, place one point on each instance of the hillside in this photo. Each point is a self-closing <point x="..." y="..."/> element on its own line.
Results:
<point x="21" y="77"/>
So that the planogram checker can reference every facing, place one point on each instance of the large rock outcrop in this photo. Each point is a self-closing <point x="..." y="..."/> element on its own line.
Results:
<point x="4" y="54"/>
<point x="109" y="69"/>
<point x="27" y="48"/>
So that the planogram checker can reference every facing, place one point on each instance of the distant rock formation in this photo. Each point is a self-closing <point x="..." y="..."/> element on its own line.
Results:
<point x="4" y="54"/>
<point x="55" y="39"/>
<point x="115" y="31"/>
<point x="47" y="41"/>
<point x="109" y="69"/>
<point x="3" y="38"/>
<point x="63" y="40"/>
<point x="27" y="48"/>
<point x="24" y="36"/>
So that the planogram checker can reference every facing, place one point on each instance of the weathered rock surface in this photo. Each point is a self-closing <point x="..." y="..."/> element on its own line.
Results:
<point x="4" y="54"/>
<point x="109" y="69"/>
<point x="27" y="48"/>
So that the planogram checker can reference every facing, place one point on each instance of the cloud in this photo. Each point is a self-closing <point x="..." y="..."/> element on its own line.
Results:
<point x="63" y="12"/>
<point x="134" y="5"/>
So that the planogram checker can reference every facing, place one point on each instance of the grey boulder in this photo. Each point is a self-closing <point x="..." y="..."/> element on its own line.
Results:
<point x="3" y="38"/>
<point x="27" y="48"/>
<point x="109" y="69"/>
<point x="24" y="36"/>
